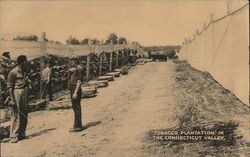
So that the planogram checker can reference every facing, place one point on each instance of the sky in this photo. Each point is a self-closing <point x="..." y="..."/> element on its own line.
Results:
<point x="150" y="22"/>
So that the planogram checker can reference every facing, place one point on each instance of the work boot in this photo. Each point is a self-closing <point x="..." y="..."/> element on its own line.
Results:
<point x="13" y="140"/>
<point x="76" y="129"/>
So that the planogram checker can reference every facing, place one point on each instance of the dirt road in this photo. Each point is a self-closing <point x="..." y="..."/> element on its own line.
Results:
<point x="117" y="120"/>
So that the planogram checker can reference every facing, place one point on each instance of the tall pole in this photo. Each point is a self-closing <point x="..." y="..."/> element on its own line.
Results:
<point x="42" y="51"/>
<point x="123" y="57"/>
<point x="100" y="67"/>
<point x="110" y="61"/>
<point x="229" y="5"/>
<point x="88" y="67"/>
<point x="211" y="17"/>
<point x="117" y="60"/>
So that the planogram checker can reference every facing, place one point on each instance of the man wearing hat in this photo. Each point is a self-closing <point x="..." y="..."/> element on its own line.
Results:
<point x="75" y="79"/>
<point x="17" y="85"/>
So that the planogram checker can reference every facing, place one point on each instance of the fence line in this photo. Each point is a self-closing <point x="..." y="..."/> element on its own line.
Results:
<point x="33" y="49"/>
<point x="222" y="49"/>
<point x="60" y="55"/>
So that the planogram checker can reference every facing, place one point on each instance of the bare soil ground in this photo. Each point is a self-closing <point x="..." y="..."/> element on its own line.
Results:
<point x="157" y="95"/>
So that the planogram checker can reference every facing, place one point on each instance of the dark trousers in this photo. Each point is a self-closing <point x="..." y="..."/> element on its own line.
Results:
<point x="46" y="88"/>
<point x="76" y="105"/>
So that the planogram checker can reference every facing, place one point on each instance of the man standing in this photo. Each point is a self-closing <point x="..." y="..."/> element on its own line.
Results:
<point x="46" y="82"/>
<point x="75" y="79"/>
<point x="17" y="85"/>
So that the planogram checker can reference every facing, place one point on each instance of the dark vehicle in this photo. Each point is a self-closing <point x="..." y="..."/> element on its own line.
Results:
<point x="158" y="56"/>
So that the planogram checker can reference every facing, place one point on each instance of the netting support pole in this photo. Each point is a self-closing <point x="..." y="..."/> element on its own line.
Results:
<point x="88" y="67"/>
<point x="123" y="57"/>
<point x="110" y="61"/>
<point x="100" y="67"/>
<point x="117" y="60"/>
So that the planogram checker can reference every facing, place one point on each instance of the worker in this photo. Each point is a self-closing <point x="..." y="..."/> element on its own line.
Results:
<point x="75" y="79"/>
<point x="46" y="81"/>
<point x="17" y="85"/>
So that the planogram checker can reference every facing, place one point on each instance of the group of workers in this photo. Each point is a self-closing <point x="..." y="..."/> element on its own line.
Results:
<point x="18" y="85"/>
<point x="18" y="90"/>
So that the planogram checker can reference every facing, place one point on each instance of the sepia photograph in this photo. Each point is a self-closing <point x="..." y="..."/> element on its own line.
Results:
<point x="124" y="78"/>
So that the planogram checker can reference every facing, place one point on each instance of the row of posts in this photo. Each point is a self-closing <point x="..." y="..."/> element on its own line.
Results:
<point x="111" y="58"/>
<point x="43" y="49"/>
<point x="197" y="32"/>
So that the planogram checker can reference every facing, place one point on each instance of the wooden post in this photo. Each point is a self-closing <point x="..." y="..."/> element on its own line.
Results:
<point x="123" y="57"/>
<point x="42" y="61"/>
<point x="43" y="46"/>
<point x="126" y="56"/>
<point x="229" y="6"/>
<point x="211" y="17"/>
<point x="197" y="32"/>
<point x="117" y="60"/>
<point x="104" y="57"/>
<point x="100" y="67"/>
<point x="88" y="67"/>
<point x="204" y="25"/>
<point x="110" y="61"/>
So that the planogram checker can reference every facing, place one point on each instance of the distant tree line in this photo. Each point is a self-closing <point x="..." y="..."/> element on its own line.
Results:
<point x="32" y="38"/>
<point x="26" y="38"/>
<point x="111" y="39"/>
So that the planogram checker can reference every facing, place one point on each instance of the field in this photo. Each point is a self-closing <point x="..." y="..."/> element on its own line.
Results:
<point x="121" y="119"/>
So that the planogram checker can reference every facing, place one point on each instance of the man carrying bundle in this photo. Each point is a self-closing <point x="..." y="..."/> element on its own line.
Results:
<point x="17" y="85"/>
<point x="75" y="79"/>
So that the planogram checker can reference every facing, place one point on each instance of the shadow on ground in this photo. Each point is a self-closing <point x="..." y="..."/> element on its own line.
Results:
<point x="31" y="135"/>
<point x="91" y="124"/>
